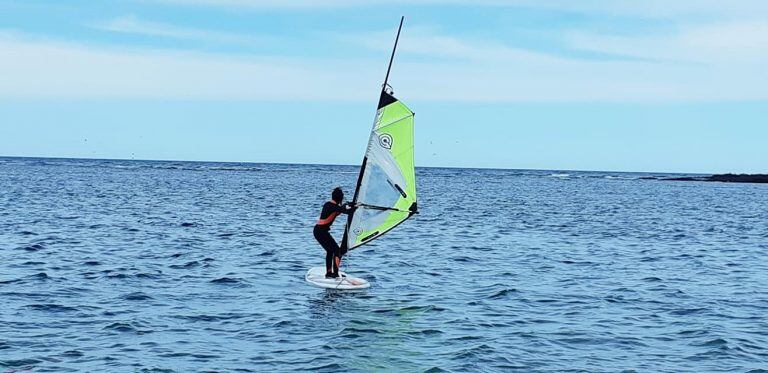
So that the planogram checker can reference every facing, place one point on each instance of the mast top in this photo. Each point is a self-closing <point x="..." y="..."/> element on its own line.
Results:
<point x="392" y="57"/>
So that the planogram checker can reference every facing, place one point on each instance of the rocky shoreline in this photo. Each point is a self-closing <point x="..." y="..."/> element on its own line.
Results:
<point x="724" y="178"/>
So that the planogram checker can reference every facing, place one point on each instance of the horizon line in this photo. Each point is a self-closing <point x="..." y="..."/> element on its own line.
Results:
<point x="356" y="165"/>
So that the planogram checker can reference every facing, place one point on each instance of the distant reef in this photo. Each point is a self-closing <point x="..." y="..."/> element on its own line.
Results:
<point x="724" y="178"/>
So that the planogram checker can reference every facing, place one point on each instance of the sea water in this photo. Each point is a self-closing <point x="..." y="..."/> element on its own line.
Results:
<point x="186" y="266"/>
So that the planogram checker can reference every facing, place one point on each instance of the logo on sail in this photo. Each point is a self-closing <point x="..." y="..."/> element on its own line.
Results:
<point x="385" y="140"/>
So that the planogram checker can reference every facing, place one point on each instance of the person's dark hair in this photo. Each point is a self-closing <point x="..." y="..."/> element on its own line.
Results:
<point x="337" y="195"/>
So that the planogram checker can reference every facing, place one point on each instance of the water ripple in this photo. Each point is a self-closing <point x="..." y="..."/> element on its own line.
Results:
<point x="197" y="266"/>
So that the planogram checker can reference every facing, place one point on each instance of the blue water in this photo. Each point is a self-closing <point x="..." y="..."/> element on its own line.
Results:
<point x="171" y="266"/>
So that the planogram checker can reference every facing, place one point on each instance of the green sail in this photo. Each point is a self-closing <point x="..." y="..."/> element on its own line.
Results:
<point x="386" y="194"/>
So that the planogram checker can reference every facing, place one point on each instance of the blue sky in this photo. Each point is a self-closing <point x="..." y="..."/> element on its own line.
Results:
<point x="676" y="86"/>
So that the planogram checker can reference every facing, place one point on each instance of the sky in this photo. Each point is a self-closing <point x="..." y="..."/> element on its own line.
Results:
<point x="648" y="86"/>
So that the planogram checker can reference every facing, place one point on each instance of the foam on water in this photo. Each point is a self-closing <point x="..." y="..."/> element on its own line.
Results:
<point x="176" y="266"/>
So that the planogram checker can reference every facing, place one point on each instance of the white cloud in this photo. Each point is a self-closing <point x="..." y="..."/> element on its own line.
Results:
<point x="469" y="70"/>
<point x="44" y="68"/>
<point x="728" y="44"/>
<point x="133" y="25"/>
<point x="678" y="69"/>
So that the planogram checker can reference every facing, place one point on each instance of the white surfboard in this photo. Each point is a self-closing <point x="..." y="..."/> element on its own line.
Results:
<point x="316" y="276"/>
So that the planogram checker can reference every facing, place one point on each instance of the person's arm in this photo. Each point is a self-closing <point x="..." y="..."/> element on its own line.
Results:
<point x="346" y="208"/>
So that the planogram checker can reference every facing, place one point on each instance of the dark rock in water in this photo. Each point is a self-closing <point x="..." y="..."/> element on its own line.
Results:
<point x="740" y="178"/>
<point x="686" y="178"/>
<point x="725" y="178"/>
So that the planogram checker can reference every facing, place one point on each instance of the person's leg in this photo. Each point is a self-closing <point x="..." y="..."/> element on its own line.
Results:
<point x="325" y="240"/>
<point x="328" y="261"/>
<point x="336" y="264"/>
<point x="336" y="256"/>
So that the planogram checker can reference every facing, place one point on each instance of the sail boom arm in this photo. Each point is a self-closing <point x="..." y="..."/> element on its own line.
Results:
<point x="374" y="207"/>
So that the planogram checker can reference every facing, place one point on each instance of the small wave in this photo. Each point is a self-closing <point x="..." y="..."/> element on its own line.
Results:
<point x="282" y="323"/>
<point x="187" y="224"/>
<point x="136" y="296"/>
<point x="20" y="363"/>
<point x="717" y="342"/>
<point x="435" y="370"/>
<point x="694" y="333"/>
<point x="33" y="247"/>
<point x="421" y="309"/>
<point x="425" y="332"/>
<point x="226" y="281"/>
<point x="157" y="370"/>
<point x="466" y="338"/>
<point x="464" y="259"/>
<point x="157" y="274"/>
<point x="332" y="367"/>
<point x="688" y="311"/>
<point x="560" y="176"/>
<point x="208" y="318"/>
<point x="187" y="265"/>
<point x="352" y="331"/>
<point x="72" y="353"/>
<point x="247" y="169"/>
<point x="92" y="263"/>
<point x="472" y="352"/>
<point x="576" y="262"/>
<point x="187" y="354"/>
<point x="502" y="293"/>
<point x="51" y="307"/>
<point x="125" y="328"/>
<point x="39" y="276"/>
<point x="649" y="259"/>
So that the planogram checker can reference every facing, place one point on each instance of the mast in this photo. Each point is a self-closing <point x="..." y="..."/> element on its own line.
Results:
<point x="392" y="57"/>
<point x="365" y="158"/>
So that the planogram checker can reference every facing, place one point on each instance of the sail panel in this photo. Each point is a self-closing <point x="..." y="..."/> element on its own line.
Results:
<point x="386" y="195"/>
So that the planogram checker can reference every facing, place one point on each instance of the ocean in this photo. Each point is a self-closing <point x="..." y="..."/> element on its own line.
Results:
<point x="155" y="266"/>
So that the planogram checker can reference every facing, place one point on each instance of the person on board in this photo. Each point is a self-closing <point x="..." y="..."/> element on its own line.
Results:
<point x="322" y="231"/>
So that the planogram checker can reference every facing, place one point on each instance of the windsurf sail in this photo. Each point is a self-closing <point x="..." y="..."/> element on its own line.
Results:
<point x="386" y="188"/>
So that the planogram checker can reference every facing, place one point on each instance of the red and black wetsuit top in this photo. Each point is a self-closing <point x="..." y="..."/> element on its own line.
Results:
<point x="331" y="210"/>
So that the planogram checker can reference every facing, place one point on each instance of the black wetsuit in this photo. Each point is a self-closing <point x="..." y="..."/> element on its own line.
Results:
<point x="322" y="233"/>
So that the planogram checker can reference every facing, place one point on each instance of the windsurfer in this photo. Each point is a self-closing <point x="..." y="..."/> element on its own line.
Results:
<point x="322" y="231"/>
